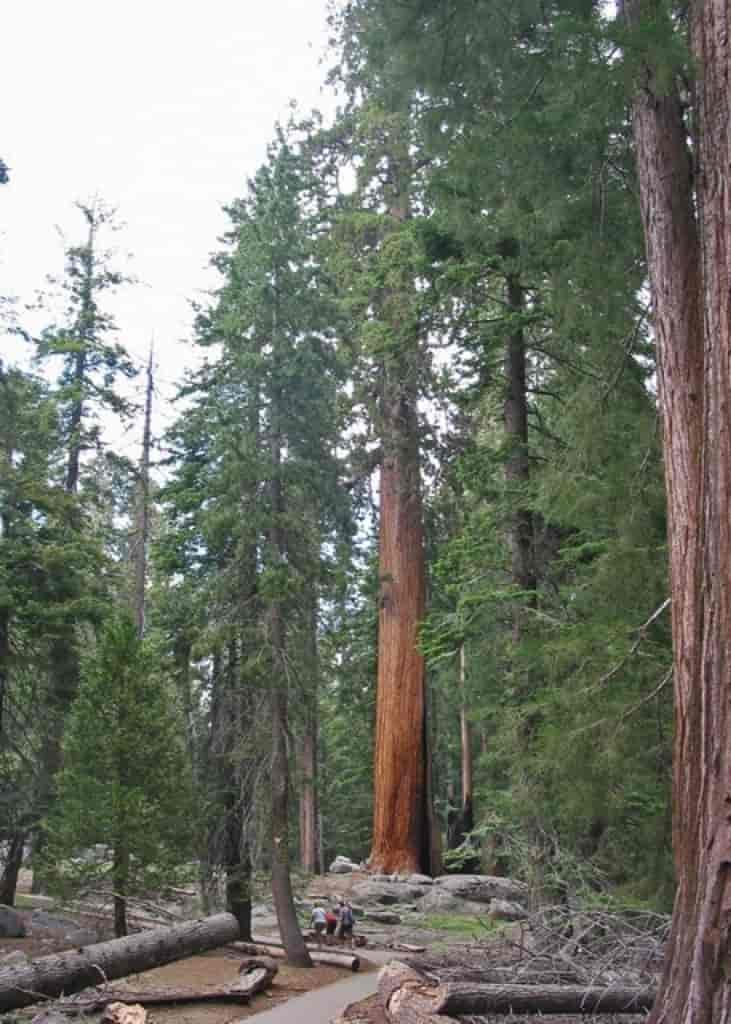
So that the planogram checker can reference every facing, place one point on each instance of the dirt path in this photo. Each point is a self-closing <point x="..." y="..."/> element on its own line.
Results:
<point x="324" y="1004"/>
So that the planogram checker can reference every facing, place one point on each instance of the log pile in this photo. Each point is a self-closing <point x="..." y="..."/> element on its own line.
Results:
<point x="330" y="957"/>
<point x="594" y="964"/>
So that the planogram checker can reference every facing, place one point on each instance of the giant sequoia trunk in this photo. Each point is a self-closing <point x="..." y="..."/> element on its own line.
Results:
<point x="400" y="830"/>
<point x="401" y="822"/>
<point x="689" y="261"/>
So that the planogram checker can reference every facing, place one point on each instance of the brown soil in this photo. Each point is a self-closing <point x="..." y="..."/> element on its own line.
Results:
<point x="222" y="968"/>
<point x="209" y="969"/>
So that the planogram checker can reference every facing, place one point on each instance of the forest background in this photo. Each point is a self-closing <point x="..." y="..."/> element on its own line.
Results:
<point x="421" y="447"/>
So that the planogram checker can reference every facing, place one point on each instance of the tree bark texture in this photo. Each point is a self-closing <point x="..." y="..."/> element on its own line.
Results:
<point x="252" y="980"/>
<point x="78" y="969"/>
<point x="282" y="893"/>
<point x="309" y="846"/>
<point x="517" y="465"/>
<point x="399" y="769"/>
<point x="11" y="868"/>
<point x="688" y="246"/>
<point x="335" y="958"/>
<point x="460" y="999"/>
<point x="406" y="996"/>
<point x="236" y="795"/>
<point x="401" y="833"/>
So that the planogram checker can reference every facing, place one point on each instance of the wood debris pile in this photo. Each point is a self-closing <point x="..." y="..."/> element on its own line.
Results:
<point x="590" y="965"/>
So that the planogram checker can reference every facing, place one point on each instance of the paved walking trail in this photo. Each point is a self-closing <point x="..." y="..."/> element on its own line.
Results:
<point x="323" y="1004"/>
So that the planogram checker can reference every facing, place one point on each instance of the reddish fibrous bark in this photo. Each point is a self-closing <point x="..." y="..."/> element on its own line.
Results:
<point x="402" y="824"/>
<point x="399" y="774"/>
<point x="688" y="236"/>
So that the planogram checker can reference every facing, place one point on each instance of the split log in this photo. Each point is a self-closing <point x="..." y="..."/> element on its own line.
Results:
<point x="349" y="961"/>
<point x="464" y="999"/>
<point x="407" y="996"/>
<point x="74" y="970"/>
<point x="248" y="984"/>
<point x="121" y="1013"/>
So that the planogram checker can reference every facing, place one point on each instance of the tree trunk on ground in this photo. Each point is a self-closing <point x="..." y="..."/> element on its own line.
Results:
<point x="318" y="956"/>
<point x="77" y="969"/>
<point x="11" y="869"/>
<point x="407" y="997"/>
<point x="401" y="833"/>
<point x="688" y="238"/>
<point x="252" y="980"/>
<point x="460" y="999"/>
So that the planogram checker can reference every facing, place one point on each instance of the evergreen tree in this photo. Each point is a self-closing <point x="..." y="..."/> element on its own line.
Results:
<point x="125" y="777"/>
<point x="90" y="365"/>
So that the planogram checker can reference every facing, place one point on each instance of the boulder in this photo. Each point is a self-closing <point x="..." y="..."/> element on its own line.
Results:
<point x="42" y="919"/>
<point x="419" y="880"/>
<point x="384" y="916"/>
<point x="12" y="925"/>
<point x="386" y="893"/>
<point x="261" y="910"/>
<point x="483" y="888"/>
<point x="343" y="866"/>
<point x="505" y="910"/>
<point x="441" y="901"/>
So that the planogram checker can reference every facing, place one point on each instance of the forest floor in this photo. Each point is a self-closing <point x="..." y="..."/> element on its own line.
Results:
<point x="455" y="948"/>
<point x="51" y="931"/>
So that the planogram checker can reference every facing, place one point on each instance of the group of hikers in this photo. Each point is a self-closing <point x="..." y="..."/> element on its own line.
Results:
<point x="336" y="923"/>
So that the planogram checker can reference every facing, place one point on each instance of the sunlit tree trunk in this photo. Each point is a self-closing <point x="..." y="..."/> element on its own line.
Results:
<point x="401" y="825"/>
<point x="289" y="928"/>
<point x="309" y="851"/>
<point x="689" y="257"/>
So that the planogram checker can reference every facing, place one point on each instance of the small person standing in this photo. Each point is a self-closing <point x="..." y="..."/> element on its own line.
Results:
<point x="346" y="922"/>
<point x="318" y="921"/>
<point x="331" y="920"/>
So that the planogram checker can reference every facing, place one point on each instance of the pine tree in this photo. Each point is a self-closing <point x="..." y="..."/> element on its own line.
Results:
<point x="125" y="777"/>
<point x="90" y="366"/>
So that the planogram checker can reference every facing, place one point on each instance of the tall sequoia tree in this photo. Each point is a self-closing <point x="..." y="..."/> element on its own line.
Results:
<point x="383" y="296"/>
<point x="687" y="217"/>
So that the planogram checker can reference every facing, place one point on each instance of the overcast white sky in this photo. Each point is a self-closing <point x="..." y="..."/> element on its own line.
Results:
<point x="161" y="107"/>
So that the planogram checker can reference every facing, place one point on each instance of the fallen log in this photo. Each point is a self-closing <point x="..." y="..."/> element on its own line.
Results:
<point x="240" y="991"/>
<point x="121" y="1013"/>
<point x="73" y="970"/>
<point x="465" y="999"/>
<point x="349" y="961"/>
<point x="407" y="997"/>
<point x="312" y="941"/>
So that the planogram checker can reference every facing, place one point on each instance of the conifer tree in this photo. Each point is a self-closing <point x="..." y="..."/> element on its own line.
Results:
<point x="90" y="365"/>
<point x="124" y="783"/>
